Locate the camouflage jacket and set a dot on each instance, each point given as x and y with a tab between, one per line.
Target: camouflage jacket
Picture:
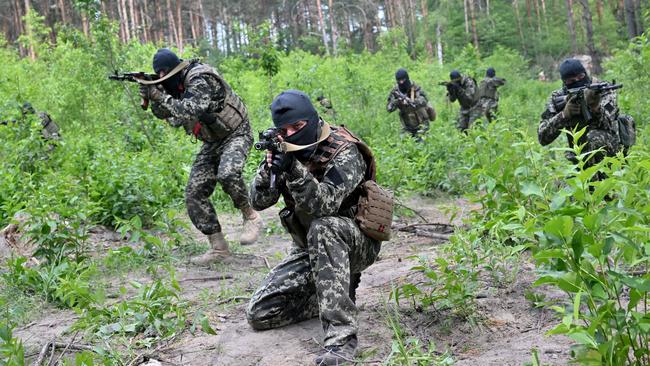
488	87
50	129
410	116
205	98
606	119
313	193
465	93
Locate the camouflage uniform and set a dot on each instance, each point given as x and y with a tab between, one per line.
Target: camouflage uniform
414	119
470	110
328	252
601	132
210	111
489	96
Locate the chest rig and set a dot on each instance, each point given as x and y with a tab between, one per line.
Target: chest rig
215	125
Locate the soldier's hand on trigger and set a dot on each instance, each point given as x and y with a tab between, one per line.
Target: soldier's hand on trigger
571	109
151	92
592	97
280	162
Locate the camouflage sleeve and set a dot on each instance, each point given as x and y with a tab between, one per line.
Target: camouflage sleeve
159	110
606	117
552	123
342	176
391	106
262	196
467	93
499	81
174	122
197	99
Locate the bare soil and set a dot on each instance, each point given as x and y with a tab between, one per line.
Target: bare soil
509	327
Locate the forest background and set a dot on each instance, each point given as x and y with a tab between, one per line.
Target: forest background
118	166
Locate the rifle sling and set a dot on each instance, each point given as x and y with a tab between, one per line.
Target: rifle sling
325	133
174	71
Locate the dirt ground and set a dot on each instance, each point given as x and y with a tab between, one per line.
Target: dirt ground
510	328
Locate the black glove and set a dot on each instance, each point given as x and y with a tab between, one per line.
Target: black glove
151	92
592	97
451	88
572	108
281	162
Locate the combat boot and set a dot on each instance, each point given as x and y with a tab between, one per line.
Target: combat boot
338	355
217	252
252	226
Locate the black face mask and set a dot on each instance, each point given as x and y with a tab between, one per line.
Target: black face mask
405	86
307	135
577	84
172	84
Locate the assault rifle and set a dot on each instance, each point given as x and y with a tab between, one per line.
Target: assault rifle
134	77
268	140
404	98
579	93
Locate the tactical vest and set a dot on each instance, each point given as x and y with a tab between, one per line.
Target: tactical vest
370	205
413	117
214	126
487	89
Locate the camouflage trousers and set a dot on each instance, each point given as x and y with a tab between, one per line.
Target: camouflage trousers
467	116
595	140
489	108
221	162
317	281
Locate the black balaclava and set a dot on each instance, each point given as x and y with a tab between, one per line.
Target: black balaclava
166	60
570	68
402	74
454	76
490	72
292	106
27	108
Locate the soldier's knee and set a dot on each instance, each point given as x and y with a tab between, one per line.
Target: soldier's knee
226	176
255	318
324	224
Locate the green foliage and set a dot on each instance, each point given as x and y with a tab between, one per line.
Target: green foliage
12	352
408	351
66	283
155	312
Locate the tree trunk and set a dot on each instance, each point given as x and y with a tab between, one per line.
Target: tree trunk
28	28
472	13
179	18
144	14
599	11
134	21
639	17
539	22
121	22
332	26
159	30
321	24
439	42
427	37
466	17
203	30
515	6
173	34
18	25
193	26
64	15
595	58
630	18
571	25
84	23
